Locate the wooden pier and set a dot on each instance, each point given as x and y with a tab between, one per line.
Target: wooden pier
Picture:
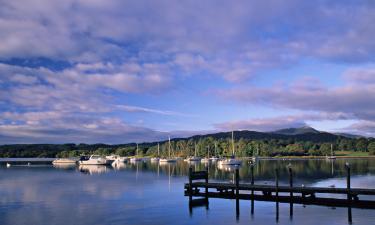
338	197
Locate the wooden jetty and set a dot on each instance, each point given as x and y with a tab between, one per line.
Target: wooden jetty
342	197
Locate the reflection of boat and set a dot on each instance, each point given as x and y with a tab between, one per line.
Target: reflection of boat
156	159
93	160
119	165
92	169
65	161
228	168
65	165
232	160
169	159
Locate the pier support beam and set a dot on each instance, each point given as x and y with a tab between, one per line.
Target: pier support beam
291	192
252	190
237	177
349	197
277	193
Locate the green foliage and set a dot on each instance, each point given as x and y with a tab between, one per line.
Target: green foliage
371	148
246	144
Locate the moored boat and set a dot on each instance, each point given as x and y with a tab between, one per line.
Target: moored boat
93	160
65	161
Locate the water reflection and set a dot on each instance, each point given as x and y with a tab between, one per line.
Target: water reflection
93	169
151	193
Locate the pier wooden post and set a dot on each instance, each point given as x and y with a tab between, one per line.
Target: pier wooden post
349	197
291	191
252	189
206	189
277	194
237	193
190	184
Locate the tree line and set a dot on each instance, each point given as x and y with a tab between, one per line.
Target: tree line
204	145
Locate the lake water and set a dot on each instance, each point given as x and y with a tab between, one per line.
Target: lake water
147	193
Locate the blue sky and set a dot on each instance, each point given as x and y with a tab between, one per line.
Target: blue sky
122	71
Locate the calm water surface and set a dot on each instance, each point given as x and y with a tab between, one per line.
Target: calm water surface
148	193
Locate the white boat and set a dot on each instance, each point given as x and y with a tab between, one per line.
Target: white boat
64	161
94	160
207	159
156	159
8	165
136	158
112	158
231	161
215	158
169	159
332	156
194	158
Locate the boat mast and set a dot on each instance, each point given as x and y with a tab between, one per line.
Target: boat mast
158	149
232	144
331	150
169	146
195	149
215	149
137	149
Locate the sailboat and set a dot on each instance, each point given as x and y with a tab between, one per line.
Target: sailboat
194	158
156	159
232	160
136	158
255	157
169	159
215	158
332	156
207	159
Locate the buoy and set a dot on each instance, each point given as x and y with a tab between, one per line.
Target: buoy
8	164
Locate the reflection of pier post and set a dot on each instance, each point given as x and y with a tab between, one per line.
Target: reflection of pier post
349	197
291	191
252	189
237	193
277	194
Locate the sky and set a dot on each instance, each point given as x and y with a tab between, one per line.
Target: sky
118	71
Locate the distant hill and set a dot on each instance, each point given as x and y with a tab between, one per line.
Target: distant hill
349	135
300	135
296	131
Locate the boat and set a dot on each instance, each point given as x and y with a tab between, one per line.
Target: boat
207	159
93	160
332	156
8	165
232	160
64	161
169	159
156	159
215	158
194	158
136	158
112	158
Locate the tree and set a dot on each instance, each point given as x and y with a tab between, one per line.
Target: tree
371	148
361	145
